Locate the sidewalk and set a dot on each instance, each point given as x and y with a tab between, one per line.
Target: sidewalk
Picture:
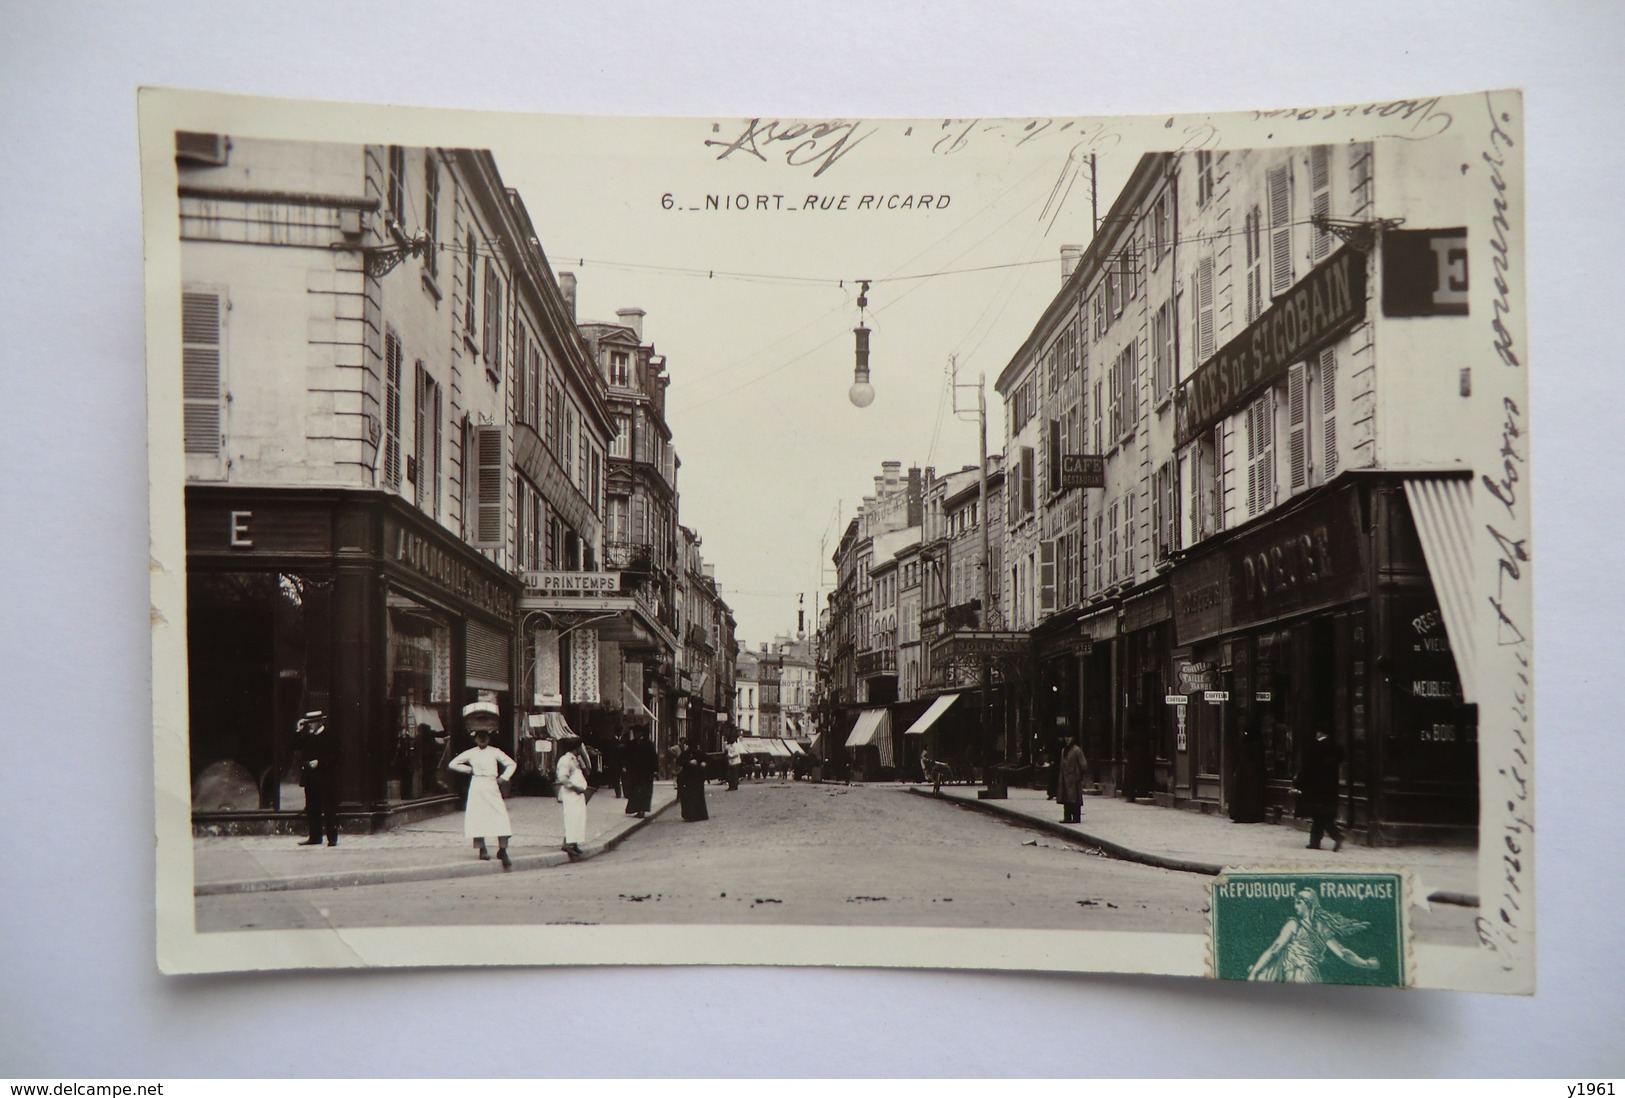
427	850
1173	838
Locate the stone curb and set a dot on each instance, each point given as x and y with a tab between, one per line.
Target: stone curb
1124	853
463	867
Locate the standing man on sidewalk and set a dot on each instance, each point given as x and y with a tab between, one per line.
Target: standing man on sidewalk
1318	788
733	764
318	752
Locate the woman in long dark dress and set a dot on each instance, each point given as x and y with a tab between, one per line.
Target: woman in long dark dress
691	781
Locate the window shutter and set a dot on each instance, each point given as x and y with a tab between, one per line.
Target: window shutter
1298	424
200	372
488	447
1046	575
1328	393
1280	199
1204	309
392	410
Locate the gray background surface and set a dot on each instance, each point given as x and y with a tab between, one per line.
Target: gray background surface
79	991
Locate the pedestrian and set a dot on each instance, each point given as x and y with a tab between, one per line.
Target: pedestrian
488	769
733	752
638	766
571	782
1069	787
1317	788
691	782
318	753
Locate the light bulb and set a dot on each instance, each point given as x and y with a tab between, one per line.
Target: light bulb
862	394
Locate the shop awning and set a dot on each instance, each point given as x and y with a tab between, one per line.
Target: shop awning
873	729
1443	510
550	724
939	706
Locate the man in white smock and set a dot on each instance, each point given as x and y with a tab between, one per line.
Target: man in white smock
571	779
488	767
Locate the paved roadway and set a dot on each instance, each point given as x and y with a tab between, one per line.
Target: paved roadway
780	854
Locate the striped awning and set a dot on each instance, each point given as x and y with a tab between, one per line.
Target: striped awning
1443	510
873	729
939	706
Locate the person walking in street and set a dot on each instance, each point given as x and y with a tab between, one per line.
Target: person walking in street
638	766
691	782
488	769
318	752
1318	788
571	781
1069	787
734	753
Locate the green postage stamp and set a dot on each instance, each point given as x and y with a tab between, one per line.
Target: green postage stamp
1312	927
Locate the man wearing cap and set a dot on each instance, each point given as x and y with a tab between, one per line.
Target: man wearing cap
318	753
488	767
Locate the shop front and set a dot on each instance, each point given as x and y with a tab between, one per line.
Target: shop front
1323	617
344	601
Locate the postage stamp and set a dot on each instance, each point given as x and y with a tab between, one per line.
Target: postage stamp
1302	926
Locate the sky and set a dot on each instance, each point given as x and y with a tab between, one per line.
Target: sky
731	234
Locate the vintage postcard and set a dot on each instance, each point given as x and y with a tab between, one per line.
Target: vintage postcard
1075	544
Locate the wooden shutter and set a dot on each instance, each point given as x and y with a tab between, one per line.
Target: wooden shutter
1297	401
392	410
1320	188
1328	397
1204	309
1280	200
489	485
1046	575
200	372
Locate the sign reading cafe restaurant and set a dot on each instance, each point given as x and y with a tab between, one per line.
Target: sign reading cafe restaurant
1323	305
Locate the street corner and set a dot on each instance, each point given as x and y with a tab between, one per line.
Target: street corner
1312	926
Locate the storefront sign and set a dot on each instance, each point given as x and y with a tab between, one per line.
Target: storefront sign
1306	560
430	561
557	583
1321	307
1424	272
1083	471
1215	696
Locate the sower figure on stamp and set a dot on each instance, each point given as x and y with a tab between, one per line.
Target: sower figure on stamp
318	752
1317	787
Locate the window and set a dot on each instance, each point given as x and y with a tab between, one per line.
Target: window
431	212
1204	177
494	292
201	371
391	443
1162	351
1280	212
395	185
1253	235
1202	311
1261	453
1320	199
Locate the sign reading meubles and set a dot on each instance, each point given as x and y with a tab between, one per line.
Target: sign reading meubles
1320	307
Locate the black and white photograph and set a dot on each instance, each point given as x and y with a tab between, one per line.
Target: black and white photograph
946	542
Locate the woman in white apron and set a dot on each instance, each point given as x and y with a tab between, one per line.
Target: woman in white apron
487	766
571	779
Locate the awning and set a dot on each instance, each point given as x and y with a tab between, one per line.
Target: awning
550	723
1443	510
873	729
422	714
939	706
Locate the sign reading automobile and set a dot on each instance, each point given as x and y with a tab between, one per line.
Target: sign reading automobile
1325	303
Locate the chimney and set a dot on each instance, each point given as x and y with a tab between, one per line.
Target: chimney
632	318
567	287
1070	255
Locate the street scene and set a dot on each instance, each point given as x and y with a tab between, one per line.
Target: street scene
963	524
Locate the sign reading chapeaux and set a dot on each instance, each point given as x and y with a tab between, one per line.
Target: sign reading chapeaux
1319	308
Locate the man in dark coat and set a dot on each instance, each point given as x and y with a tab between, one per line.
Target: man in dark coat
318	753
639	761
1318	788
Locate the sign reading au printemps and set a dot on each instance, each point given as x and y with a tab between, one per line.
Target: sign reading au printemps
1324	303
576	583
1083	471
